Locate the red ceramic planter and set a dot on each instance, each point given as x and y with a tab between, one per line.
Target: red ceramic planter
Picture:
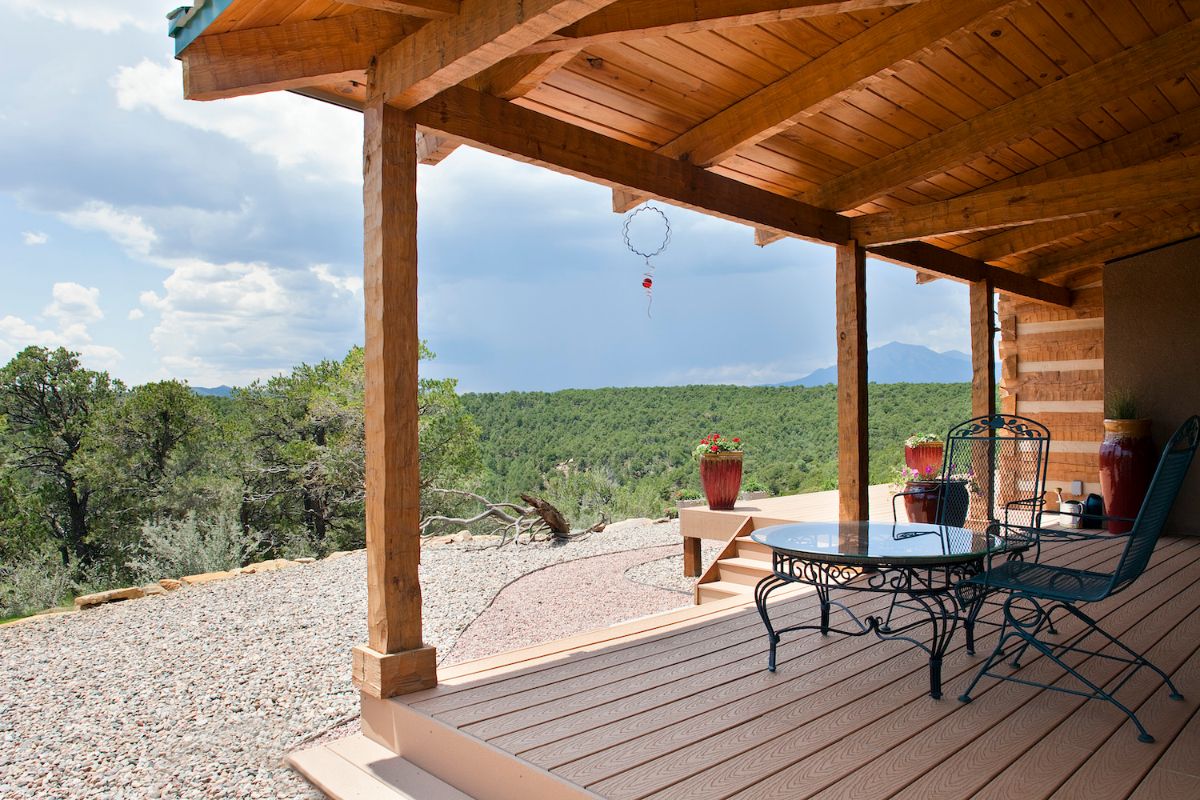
921	457
922	505
721	477
1127	462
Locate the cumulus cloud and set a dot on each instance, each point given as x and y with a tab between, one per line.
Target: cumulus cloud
330	148
128	230
106	16
34	238
135	314
73	308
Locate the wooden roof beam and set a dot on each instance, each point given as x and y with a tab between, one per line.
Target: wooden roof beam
628	20
1163	58
948	264
1157	184
429	9
776	107
291	56
1100	251
501	126
448	51
1023	238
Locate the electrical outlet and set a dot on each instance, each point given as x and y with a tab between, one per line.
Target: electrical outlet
1076	488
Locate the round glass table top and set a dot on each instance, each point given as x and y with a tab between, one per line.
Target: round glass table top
878	542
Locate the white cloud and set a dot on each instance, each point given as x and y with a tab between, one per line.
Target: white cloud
73	307
135	313
128	230
34	238
106	16
349	284
322	140
74	304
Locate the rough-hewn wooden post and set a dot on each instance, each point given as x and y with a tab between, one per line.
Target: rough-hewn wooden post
983	390
852	381
396	660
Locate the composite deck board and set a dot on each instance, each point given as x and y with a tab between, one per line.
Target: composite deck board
690	711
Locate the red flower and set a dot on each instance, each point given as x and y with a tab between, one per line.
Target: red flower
716	436
714	448
736	440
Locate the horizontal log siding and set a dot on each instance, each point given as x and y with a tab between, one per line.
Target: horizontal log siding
1052	370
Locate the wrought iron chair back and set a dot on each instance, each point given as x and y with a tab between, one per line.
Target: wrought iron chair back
994	469
1164	487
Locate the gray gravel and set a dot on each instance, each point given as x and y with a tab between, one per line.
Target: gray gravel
200	693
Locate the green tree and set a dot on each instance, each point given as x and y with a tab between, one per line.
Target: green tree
49	404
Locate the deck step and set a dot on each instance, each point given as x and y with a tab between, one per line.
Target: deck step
748	548
719	590
356	768
743	570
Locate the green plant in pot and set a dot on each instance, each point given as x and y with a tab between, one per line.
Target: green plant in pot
930	498
720	469
1127	459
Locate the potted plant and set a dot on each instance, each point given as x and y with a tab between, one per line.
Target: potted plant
1127	459
923	452
925	491
720	470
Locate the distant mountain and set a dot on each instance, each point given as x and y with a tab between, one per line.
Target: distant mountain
213	391
901	363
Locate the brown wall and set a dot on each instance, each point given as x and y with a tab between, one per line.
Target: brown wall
1052	370
1153	347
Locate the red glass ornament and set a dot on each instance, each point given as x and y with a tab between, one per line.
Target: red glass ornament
647	283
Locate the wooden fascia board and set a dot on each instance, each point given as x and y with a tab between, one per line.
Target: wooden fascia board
1157	184
429	9
292	56
1121	245
1163	58
629	20
949	264
764	113
501	126
450	50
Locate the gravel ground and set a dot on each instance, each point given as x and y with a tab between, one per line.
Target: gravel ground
201	692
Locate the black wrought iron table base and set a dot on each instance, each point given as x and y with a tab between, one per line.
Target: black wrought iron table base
924	588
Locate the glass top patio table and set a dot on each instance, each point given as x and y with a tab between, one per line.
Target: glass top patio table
879	543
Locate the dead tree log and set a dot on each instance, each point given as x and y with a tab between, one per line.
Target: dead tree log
550	515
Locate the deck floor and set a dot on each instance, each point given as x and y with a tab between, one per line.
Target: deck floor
688	710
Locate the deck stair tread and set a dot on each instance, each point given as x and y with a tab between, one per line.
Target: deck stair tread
356	768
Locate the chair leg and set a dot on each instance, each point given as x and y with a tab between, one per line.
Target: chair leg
1141	659
996	657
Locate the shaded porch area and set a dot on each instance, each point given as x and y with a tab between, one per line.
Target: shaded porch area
681	705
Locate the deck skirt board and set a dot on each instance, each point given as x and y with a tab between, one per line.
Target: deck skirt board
689	710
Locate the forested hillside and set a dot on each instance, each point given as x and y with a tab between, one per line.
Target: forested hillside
635	444
103	484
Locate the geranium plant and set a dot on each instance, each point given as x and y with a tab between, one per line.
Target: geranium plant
922	438
715	443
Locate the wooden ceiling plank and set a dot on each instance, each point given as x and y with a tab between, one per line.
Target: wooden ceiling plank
429	9
629	20
504	127
295	55
450	50
1157	183
1166	57
1023	238
1111	248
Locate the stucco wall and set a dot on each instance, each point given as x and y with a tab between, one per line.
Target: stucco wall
1152	346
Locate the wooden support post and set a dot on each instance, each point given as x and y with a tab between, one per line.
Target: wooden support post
983	392
692	559
396	660
852	381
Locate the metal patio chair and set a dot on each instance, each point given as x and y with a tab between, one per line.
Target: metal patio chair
1043	589
993	470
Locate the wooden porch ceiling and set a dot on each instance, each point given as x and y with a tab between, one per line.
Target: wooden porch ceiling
1023	141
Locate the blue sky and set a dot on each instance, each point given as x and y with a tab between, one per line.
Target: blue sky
221	242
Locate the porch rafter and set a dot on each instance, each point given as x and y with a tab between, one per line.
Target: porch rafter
431	9
1117	246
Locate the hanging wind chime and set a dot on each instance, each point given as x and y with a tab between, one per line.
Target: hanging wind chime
648	275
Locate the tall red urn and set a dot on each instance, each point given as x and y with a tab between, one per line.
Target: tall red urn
925	458
721	477
1127	462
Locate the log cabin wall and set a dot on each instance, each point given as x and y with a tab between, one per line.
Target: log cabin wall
1154	349
1052	370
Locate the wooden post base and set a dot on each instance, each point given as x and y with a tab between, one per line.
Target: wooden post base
389	674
